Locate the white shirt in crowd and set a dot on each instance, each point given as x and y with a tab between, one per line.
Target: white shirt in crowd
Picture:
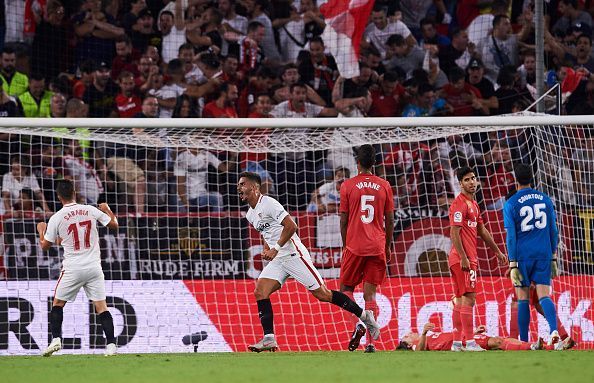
378	37
329	194
164	93
266	218
240	24
13	186
76	225
195	168
285	110
88	184
171	43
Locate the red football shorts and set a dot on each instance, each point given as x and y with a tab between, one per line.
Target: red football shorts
355	269
464	280
482	340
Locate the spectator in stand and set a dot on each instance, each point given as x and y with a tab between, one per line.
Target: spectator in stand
468	10
192	73
500	177
317	69
297	107
10	106
36	100
289	76
257	10
458	53
583	53
378	32
100	95
126	58
224	105
185	107
143	31
87	70
402	55
173	29
475	77
191	170
146	71
507	93
127	102
326	198
350	96
426	104
96	31
415	11
204	32
16	180
373	59
251	53
171	90
234	23
14	82
150	108
86	180
49	52
570	16
500	48
131	17
152	51
57	105
429	34
389	98
263	81
482	25
527	70
312	18
231	74
262	106
76	108
464	98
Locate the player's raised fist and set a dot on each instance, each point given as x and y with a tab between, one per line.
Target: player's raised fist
428	327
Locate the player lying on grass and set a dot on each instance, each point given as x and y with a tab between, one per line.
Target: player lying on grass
429	340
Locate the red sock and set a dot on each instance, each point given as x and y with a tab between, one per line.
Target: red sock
467	322
511	345
562	332
514	332
371	305
354	319
457	324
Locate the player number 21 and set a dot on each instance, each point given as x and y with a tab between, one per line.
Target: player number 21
73	229
367	208
536	212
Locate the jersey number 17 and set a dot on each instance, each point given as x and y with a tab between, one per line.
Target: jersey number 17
73	229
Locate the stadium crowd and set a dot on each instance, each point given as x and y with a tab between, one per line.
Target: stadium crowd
262	58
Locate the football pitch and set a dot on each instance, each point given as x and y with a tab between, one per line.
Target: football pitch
308	367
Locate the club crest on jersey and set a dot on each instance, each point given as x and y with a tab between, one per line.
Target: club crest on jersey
458	217
263	226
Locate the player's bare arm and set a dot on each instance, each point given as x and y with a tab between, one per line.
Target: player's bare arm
457	242
289	228
422	346
113	224
344	224
488	238
44	243
389	222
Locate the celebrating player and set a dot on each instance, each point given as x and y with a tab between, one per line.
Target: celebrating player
531	226
75	228
288	258
429	340
366	202
465	223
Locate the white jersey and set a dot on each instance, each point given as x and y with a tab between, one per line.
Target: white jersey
266	217
76	225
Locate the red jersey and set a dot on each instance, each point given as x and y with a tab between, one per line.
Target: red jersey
366	198
437	341
211	110
466	214
460	98
128	106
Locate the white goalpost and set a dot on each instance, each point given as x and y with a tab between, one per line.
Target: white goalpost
184	260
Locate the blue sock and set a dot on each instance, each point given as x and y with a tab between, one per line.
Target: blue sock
523	319
550	313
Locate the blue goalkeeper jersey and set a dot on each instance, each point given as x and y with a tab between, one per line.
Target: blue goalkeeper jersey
531	225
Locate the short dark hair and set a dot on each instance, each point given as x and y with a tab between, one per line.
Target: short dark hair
391	76
124	39
254	177
498	19
65	189
346	171
316	39
396	40
254	25
8	50
403	346
523	174
463	171
298	84
366	156
456	74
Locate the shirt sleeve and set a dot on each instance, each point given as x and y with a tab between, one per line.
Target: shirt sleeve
34	184
100	216
213	160
510	229
51	232
457	212
180	168
276	210
5	183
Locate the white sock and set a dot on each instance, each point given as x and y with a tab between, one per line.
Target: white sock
363	315
269	336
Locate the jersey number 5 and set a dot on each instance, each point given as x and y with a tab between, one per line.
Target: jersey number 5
73	229
367	209
536	212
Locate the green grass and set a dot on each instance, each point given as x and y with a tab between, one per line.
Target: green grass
314	367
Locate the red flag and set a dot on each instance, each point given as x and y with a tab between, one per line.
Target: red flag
345	23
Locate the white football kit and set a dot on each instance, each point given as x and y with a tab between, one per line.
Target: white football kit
76	225
293	259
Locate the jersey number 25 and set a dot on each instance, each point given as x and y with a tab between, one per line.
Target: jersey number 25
536	212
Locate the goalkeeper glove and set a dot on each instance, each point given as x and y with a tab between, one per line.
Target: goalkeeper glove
515	275
554	268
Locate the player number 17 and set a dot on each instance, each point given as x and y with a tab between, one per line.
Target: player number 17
73	229
367	209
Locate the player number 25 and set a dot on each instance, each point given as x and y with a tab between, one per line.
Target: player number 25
367	208
536	212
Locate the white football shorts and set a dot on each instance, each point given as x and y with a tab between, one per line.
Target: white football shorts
299	267
70	282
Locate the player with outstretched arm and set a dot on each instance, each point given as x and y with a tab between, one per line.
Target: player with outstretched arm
287	257
465	224
366	227
531	226
74	227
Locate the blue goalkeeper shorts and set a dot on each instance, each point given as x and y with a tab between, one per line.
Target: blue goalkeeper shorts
535	270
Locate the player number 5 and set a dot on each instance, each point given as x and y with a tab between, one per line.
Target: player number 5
538	213
367	208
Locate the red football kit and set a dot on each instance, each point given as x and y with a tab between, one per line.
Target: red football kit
464	213
365	199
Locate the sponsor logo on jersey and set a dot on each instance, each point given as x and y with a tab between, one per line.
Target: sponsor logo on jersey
458	216
472	223
263	226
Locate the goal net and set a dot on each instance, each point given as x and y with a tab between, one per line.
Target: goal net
184	260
